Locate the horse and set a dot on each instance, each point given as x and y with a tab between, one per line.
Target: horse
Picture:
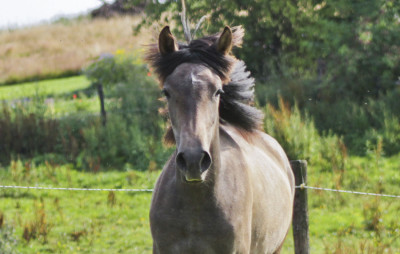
228	186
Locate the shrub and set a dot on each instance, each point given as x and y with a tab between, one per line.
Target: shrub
112	69
109	145
388	134
134	129
301	140
357	122
25	131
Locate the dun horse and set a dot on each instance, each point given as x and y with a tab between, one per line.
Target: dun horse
228	187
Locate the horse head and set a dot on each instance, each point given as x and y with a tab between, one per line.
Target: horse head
193	94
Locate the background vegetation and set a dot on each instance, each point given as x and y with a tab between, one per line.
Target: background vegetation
338	60
66	126
327	80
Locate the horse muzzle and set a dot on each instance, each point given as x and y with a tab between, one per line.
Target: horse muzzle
193	164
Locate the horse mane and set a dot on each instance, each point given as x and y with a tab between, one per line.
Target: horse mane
236	103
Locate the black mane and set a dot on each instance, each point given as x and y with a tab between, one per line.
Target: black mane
236	105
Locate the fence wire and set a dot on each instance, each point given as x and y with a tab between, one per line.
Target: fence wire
73	189
302	186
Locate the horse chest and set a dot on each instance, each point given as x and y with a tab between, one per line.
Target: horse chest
185	228
191	219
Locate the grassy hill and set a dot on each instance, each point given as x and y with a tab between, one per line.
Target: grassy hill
63	48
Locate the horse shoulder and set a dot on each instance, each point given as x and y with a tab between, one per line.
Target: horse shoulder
163	192
165	179
275	150
272	187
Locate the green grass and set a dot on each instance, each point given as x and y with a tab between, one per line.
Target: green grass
99	222
77	221
44	88
64	95
94	222
349	223
69	105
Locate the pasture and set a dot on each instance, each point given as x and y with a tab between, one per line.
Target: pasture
117	222
44	221
46	88
75	222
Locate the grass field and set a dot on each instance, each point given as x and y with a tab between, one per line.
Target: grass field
61	96
46	88
117	222
42	221
76	222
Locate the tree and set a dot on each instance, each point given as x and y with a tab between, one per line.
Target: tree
350	47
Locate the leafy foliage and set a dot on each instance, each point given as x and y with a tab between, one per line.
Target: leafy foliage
347	45
134	130
300	139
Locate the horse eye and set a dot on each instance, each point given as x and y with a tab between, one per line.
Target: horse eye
219	92
166	93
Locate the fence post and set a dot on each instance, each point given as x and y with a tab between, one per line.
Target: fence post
300	210
102	108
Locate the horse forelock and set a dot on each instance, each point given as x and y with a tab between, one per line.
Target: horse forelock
196	52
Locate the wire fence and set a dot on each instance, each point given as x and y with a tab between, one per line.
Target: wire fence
302	186
347	191
73	189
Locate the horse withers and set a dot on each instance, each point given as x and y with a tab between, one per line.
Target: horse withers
228	187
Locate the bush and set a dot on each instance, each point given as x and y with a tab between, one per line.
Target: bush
388	134
134	131
25	131
357	122
117	144
301	140
29	130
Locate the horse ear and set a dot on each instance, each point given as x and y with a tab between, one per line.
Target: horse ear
166	42
224	43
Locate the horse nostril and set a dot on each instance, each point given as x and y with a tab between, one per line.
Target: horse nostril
180	161
194	162
205	162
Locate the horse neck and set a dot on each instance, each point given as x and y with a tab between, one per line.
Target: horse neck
215	155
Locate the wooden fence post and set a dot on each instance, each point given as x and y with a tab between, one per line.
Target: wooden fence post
102	108
300	210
